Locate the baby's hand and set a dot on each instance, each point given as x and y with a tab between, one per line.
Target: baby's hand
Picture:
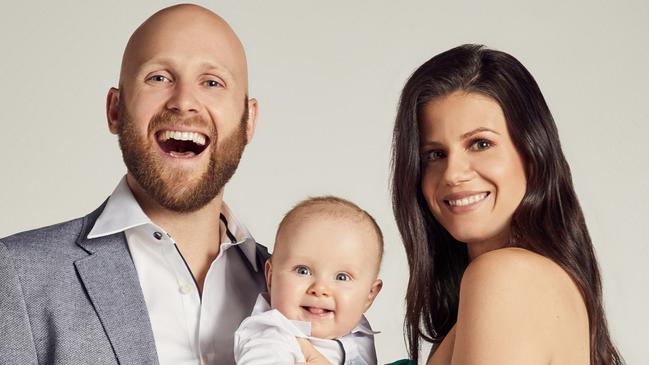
312	356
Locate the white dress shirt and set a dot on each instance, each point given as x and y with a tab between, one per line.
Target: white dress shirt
189	328
267	337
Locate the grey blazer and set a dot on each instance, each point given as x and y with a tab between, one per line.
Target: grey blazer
65	299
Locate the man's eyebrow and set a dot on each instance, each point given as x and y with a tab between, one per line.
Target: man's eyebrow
164	62
476	131
210	66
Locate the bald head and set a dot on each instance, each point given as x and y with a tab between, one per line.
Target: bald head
181	33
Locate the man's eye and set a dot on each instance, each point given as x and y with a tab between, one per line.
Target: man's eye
343	277
480	145
303	270
159	78
212	83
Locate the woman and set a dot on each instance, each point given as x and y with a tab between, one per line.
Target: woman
502	269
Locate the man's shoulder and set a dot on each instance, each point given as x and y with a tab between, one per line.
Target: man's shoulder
52	237
45	238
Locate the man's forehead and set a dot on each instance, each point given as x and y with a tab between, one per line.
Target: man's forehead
185	33
181	17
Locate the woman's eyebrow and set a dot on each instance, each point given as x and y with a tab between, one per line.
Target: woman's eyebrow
476	131
431	143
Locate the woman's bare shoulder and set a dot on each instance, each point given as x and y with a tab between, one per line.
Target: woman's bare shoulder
516	305
517	276
515	267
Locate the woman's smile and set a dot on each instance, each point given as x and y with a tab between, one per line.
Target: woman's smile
464	202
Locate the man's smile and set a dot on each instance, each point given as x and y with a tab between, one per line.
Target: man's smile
182	144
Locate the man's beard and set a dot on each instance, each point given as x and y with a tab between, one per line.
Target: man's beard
173	189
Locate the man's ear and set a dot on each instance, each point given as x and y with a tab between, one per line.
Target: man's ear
374	291
251	124
268	272
112	108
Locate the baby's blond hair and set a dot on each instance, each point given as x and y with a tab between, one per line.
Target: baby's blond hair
334	207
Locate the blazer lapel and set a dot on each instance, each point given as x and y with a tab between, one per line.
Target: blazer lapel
109	276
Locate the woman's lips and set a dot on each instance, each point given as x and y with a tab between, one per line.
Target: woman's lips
464	202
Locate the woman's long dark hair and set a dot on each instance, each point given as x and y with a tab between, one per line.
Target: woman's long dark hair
548	221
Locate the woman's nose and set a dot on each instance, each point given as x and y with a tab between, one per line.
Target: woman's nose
458	169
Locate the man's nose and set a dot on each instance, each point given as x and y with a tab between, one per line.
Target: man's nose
319	288
458	169
183	99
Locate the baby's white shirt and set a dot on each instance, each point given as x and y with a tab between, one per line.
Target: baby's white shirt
267	337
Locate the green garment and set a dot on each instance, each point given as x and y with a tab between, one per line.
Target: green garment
402	362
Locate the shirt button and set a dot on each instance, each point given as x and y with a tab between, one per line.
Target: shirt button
185	288
157	235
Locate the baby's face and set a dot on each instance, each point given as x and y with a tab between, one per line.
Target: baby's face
324	271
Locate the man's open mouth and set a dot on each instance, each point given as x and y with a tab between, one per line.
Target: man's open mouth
182	144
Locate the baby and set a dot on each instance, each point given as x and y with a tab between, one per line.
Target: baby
321	278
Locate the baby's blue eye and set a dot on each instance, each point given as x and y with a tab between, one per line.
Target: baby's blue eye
303	270
343	277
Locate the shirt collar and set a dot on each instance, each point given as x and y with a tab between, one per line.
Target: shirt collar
364	327
122	212
235	233
296	328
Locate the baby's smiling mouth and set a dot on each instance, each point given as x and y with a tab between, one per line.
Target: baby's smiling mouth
181	143
316	311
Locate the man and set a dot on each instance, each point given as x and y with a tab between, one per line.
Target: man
162	272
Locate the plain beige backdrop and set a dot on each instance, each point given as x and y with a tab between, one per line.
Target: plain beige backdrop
327	75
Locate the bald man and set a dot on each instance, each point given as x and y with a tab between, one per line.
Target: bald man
162	272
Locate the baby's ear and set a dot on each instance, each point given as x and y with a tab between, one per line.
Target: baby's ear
374	291
268	272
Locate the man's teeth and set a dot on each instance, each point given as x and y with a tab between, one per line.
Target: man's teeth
468	200
195	137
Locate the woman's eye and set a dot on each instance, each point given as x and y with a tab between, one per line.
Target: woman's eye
343	277
212	83
434	155
303	270
480	145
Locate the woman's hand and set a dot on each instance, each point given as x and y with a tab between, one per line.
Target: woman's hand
311	355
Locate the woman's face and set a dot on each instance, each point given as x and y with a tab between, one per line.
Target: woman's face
472	176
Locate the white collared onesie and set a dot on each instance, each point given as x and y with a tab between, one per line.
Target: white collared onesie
267	337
